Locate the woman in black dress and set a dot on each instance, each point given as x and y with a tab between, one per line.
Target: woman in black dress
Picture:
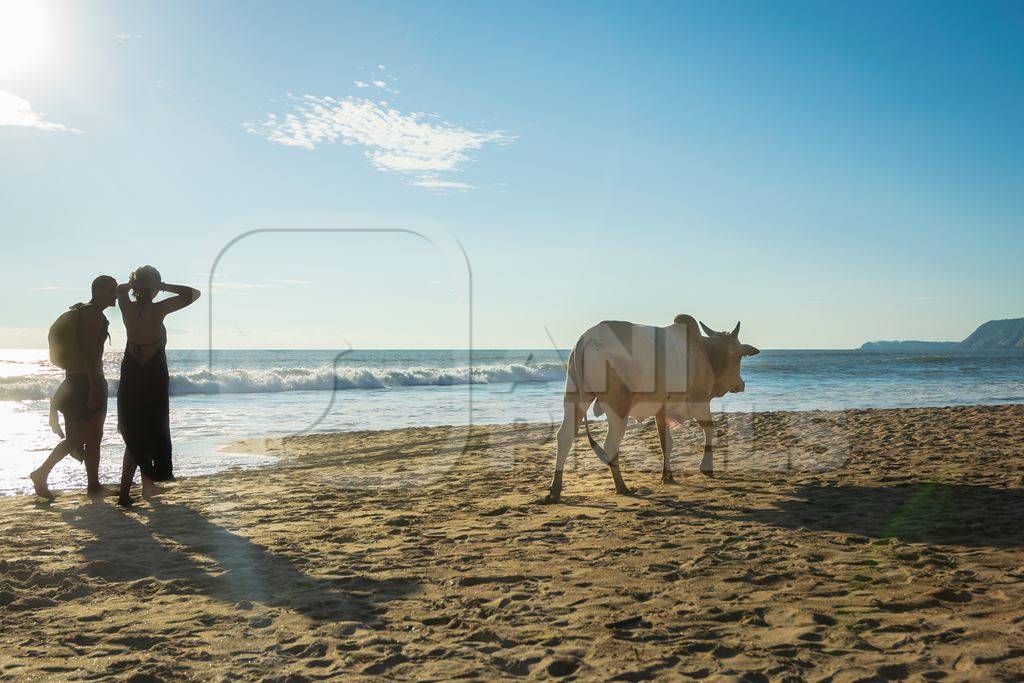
143	408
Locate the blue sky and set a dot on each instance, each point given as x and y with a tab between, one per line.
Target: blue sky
827	173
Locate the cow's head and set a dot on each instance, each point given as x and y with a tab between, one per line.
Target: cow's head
725	353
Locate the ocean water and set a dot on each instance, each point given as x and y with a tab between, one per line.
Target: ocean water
271	393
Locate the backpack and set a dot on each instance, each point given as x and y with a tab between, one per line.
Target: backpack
63	339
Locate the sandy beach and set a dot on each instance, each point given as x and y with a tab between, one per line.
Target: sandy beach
879	544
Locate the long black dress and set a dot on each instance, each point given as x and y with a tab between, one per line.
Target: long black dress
143	413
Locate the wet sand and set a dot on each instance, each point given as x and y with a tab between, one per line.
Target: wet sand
867	544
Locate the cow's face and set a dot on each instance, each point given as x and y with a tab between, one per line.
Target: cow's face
725	353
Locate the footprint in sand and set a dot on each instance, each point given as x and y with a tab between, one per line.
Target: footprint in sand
383	665
628	624
559	668
261	622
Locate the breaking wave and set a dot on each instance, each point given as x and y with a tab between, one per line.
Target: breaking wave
242	381
32	388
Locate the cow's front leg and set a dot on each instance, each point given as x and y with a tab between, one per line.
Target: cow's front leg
616	429
707	463
665	436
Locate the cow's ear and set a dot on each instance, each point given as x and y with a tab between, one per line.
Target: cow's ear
749	350
707	330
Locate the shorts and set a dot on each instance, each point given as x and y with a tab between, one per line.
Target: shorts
72	398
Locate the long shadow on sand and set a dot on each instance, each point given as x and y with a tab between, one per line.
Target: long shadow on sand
951	514
189	554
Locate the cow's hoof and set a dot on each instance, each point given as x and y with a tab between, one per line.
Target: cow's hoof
624	491
552	498
667	478
708	473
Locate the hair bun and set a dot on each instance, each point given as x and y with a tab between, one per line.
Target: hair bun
145	277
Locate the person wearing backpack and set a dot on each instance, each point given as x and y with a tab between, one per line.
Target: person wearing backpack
76	342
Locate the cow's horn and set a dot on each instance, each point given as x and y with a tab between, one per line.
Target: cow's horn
736	331
707	330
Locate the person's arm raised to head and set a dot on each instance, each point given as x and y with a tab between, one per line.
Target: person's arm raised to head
183	296
123	293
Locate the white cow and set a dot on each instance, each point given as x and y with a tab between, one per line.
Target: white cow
628	370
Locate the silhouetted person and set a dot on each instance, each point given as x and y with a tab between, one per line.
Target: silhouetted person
82	396
143	405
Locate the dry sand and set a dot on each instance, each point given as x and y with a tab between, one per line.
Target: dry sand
865	544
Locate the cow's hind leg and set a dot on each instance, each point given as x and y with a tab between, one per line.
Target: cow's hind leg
571	419
665	436
616	429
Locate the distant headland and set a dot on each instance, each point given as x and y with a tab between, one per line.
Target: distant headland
995	334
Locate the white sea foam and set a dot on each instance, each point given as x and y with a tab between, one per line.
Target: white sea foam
274	380
27	388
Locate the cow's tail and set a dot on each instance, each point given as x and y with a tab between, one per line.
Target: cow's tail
577	357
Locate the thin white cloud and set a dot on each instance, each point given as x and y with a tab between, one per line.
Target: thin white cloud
438	184
51	288
125	37
241	285
392	141
378	83
240	288
15	111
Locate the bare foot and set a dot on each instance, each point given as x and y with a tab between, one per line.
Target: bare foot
99	492
125	501
39	482
151	491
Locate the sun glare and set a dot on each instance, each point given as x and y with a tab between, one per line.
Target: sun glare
26	36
